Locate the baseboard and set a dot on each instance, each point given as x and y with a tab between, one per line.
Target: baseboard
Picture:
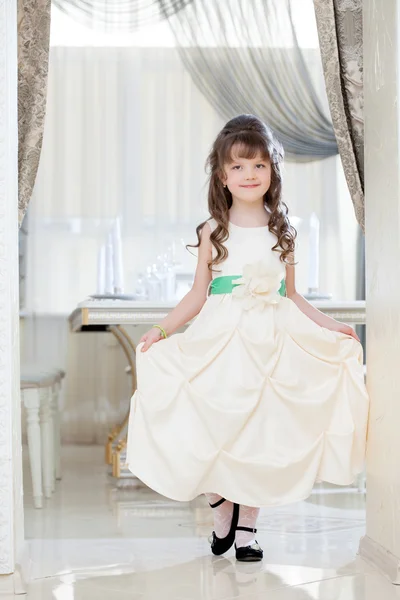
380	558
12	585
16	583
24	564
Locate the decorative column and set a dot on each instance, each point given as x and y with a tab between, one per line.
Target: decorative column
381	545
11	511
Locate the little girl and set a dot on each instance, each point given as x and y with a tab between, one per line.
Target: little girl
262	395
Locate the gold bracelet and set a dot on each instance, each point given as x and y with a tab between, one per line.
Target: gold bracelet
164	333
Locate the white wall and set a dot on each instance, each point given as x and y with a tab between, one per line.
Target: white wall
382	163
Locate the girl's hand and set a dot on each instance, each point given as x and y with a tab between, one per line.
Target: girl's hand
150	337
347	330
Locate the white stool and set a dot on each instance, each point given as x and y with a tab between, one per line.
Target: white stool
40	392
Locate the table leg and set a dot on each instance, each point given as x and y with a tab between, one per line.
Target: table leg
117	457
129	350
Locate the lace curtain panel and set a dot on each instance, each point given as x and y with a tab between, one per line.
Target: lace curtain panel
340	33
33	54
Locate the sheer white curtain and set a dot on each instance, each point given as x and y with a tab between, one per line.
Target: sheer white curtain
127	133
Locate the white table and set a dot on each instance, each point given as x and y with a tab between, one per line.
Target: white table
97	314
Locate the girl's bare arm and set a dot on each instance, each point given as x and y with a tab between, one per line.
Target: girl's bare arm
309	310
192	303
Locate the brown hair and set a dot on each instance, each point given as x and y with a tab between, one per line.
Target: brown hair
251	136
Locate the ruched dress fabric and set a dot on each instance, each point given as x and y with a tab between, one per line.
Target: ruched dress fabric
254	402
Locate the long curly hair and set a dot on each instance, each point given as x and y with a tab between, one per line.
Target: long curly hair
250	136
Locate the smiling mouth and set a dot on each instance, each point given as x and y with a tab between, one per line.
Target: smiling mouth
252	185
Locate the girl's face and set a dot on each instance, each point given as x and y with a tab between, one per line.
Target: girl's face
248	179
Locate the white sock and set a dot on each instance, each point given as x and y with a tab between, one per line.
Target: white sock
222	515
248	516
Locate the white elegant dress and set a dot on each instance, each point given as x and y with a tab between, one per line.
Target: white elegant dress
254	401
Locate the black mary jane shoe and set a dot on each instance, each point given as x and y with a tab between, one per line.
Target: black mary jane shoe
253	553
222	545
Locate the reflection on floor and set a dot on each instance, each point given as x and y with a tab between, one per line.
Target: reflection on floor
93	541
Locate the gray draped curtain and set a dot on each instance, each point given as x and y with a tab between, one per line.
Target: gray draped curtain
119	15
340	30
339	25
245	57
33	57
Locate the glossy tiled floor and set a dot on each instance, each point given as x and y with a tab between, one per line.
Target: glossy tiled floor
93	541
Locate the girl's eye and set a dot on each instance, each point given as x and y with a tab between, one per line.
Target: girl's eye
236	167
260	166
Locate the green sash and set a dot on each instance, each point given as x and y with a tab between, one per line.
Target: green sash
225	285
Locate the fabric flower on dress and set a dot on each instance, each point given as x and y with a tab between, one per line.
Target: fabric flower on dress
258	287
